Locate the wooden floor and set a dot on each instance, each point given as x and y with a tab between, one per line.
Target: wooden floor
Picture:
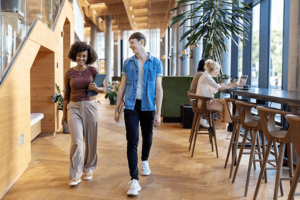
175	175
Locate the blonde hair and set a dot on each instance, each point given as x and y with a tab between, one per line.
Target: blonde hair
211	65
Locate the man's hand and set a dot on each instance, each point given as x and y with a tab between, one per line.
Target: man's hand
116	116
157	120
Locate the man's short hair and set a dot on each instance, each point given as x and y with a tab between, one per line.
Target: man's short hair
201	65
138	36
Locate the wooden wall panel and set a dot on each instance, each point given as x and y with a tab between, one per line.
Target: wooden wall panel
42	88
15	96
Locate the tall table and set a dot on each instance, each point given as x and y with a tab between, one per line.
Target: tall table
263	95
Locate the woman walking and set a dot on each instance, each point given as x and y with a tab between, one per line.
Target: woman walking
81	112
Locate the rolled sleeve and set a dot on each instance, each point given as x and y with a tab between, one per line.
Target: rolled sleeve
159	70
124	68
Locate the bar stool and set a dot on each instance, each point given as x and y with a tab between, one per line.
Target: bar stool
252	125
211	131
294	130
272	134
235	134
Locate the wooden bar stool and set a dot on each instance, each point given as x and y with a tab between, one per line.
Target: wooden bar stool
274	135
211	131
252	125
235	134
294	130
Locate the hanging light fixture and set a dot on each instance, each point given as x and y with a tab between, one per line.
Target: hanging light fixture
195	45
188	55
164	57
184	52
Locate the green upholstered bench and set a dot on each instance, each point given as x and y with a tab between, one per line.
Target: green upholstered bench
174	95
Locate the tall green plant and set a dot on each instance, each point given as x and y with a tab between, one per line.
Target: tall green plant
220	19
58	98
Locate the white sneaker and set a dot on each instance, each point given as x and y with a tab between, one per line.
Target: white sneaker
204	123
75	182
88	176
134	187
145	168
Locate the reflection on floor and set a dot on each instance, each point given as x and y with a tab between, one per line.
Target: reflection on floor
175	175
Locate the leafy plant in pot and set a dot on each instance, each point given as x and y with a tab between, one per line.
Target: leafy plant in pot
58	98
217	20
112	95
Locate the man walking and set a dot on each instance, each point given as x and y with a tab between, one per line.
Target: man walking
141	85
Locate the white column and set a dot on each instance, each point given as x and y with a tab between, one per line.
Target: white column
185	68
93	41
178	45
173	49
108	49
197	51
226	56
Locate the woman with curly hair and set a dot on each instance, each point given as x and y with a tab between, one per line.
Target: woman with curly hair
81	112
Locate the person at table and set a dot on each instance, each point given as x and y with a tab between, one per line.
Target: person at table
193	89
81	112
207	87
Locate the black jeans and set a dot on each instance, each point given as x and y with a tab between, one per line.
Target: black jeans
132	118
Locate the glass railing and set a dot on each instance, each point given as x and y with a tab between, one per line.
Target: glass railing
17	17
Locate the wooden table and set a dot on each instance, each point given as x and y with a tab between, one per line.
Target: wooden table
290	98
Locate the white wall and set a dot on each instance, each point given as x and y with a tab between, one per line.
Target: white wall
79	22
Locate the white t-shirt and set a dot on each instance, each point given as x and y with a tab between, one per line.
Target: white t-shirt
207	86
139	90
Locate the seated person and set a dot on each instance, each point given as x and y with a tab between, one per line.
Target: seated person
207	87
193	89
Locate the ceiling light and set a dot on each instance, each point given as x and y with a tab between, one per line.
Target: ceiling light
164	57
195	45
95	12
87	3
184	52
132	16
100	19
130	8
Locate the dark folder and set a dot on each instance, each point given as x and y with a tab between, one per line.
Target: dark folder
99	78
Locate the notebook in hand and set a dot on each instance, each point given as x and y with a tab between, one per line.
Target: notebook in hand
98	79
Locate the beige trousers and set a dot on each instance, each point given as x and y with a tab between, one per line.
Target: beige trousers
83	121
223	114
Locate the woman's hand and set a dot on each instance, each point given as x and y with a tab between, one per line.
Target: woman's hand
93	86
64	121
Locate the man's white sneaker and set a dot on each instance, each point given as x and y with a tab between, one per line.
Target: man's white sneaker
134	187
204	123
145	168
75	182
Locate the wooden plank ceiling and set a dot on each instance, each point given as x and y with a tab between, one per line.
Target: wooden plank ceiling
131	14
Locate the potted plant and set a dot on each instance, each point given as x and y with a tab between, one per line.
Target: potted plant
112	95
218	19
58	98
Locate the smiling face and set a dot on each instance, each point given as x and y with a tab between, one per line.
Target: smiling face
136	46
81	58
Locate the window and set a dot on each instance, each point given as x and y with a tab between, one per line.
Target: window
255	45
276	44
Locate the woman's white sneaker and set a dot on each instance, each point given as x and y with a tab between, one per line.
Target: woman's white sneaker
88	176
145	168
134	187
75	182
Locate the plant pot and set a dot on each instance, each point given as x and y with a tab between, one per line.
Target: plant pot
112	102
66	129
225	81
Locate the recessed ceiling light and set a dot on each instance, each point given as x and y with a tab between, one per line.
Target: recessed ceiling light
100	19
87	3
130	8
132	16
95	12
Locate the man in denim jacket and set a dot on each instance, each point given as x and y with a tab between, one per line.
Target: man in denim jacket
141	85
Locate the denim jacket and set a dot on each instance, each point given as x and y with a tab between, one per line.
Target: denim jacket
152	69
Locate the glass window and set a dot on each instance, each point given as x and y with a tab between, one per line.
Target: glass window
255	45
276	44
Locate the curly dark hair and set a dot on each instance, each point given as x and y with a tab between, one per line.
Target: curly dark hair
201	65
78	47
